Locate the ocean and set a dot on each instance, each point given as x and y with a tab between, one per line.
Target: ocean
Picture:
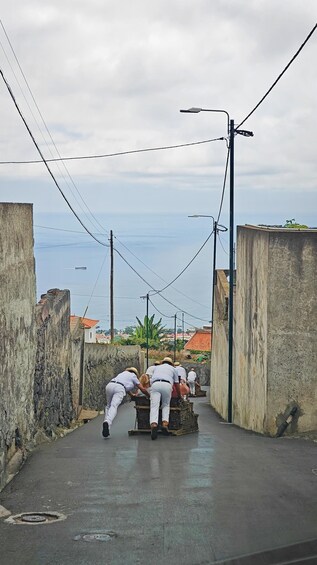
157	248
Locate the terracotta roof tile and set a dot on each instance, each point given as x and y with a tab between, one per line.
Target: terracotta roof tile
87	322
200	341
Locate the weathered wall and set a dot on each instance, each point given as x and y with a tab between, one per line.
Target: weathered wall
52	379
77	364
250	371
276	335
219	354
103	363
17	332
292	328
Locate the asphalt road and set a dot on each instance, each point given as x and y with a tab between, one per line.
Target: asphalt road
189	500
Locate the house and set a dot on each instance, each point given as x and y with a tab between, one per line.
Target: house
89	325
201	340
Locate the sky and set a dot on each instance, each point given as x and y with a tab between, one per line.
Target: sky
111	76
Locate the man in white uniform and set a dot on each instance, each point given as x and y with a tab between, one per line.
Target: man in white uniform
150	370
116	390
191	379
164	376
181	371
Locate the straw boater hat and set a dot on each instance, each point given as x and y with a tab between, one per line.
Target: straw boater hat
168	360
176	364
133	370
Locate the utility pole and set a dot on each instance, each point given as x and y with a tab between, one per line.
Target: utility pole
111	289
175	329
183	329
231	269
147	330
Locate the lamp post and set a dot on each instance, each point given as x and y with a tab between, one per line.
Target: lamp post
216	229
231	133
147	297
175	331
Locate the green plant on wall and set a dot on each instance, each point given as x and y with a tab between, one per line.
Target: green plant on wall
295	225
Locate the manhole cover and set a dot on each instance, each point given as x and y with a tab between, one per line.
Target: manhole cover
33	518
102	536
36	518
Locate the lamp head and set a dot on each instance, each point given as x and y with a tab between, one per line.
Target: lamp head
191	111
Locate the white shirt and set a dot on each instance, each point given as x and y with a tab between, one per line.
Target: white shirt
150	370
181	373
191	376
129	380
165	372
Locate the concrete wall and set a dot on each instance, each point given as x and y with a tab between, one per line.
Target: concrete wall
18	332
250	371
52	380
276	336
292	329
102	363
219	354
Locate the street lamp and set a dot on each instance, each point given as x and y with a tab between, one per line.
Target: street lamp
231	133
216	229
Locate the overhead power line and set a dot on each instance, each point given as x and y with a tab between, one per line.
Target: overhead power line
279	76
119	153
188	264
157	275
224	185
45	162
152	287
47	130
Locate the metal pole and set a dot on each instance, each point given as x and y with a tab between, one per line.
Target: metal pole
183	329
213	283
147	330
111	289
175	316
231	271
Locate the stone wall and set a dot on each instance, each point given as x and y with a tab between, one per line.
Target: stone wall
103	363
18	333
53	397
77	364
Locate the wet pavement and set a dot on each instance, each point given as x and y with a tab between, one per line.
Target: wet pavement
189	500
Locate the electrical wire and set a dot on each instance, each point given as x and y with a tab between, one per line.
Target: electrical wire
165	316
156	274
45	162
279	76
119	153
45	125
226	252
60	229
97	279
152	287
159	311
223	185
188	264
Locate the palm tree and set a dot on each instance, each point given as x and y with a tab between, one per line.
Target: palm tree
153	330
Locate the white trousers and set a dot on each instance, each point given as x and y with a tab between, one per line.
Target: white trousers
115	393
160	391
192	387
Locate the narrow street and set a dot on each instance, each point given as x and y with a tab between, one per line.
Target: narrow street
196	499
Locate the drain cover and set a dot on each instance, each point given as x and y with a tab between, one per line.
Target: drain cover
36	518
102	536
33	518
